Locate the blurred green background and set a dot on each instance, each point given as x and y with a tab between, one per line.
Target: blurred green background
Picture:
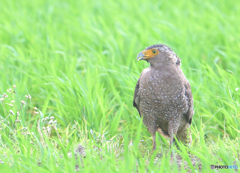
77	59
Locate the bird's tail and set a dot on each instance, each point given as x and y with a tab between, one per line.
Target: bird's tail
184	135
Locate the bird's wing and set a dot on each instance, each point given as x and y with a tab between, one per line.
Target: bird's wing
136	98
188	94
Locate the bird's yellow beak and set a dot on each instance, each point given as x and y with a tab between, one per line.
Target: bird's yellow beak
146	54
141	55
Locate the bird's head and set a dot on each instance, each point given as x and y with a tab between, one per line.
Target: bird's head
158	54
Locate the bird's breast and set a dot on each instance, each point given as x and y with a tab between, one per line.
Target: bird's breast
159	86
162	93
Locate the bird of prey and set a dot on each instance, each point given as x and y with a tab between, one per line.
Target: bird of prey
163	95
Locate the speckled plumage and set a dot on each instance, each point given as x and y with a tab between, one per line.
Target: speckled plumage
163	96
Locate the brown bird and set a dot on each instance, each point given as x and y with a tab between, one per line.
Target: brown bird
163	95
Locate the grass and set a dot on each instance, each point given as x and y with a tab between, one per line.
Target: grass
77	61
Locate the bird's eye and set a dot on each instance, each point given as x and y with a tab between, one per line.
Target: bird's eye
154	51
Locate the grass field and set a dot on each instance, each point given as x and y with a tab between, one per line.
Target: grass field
73	64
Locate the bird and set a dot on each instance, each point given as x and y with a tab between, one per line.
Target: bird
163	95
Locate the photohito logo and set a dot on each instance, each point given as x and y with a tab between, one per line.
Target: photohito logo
224	167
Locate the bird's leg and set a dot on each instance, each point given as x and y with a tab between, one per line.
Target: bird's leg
154	141
172	130
171	138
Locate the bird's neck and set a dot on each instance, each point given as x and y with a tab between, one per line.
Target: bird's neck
158	66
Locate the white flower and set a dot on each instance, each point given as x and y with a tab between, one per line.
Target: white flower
50	122
11	112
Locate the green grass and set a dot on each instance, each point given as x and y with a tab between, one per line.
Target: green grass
77	60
